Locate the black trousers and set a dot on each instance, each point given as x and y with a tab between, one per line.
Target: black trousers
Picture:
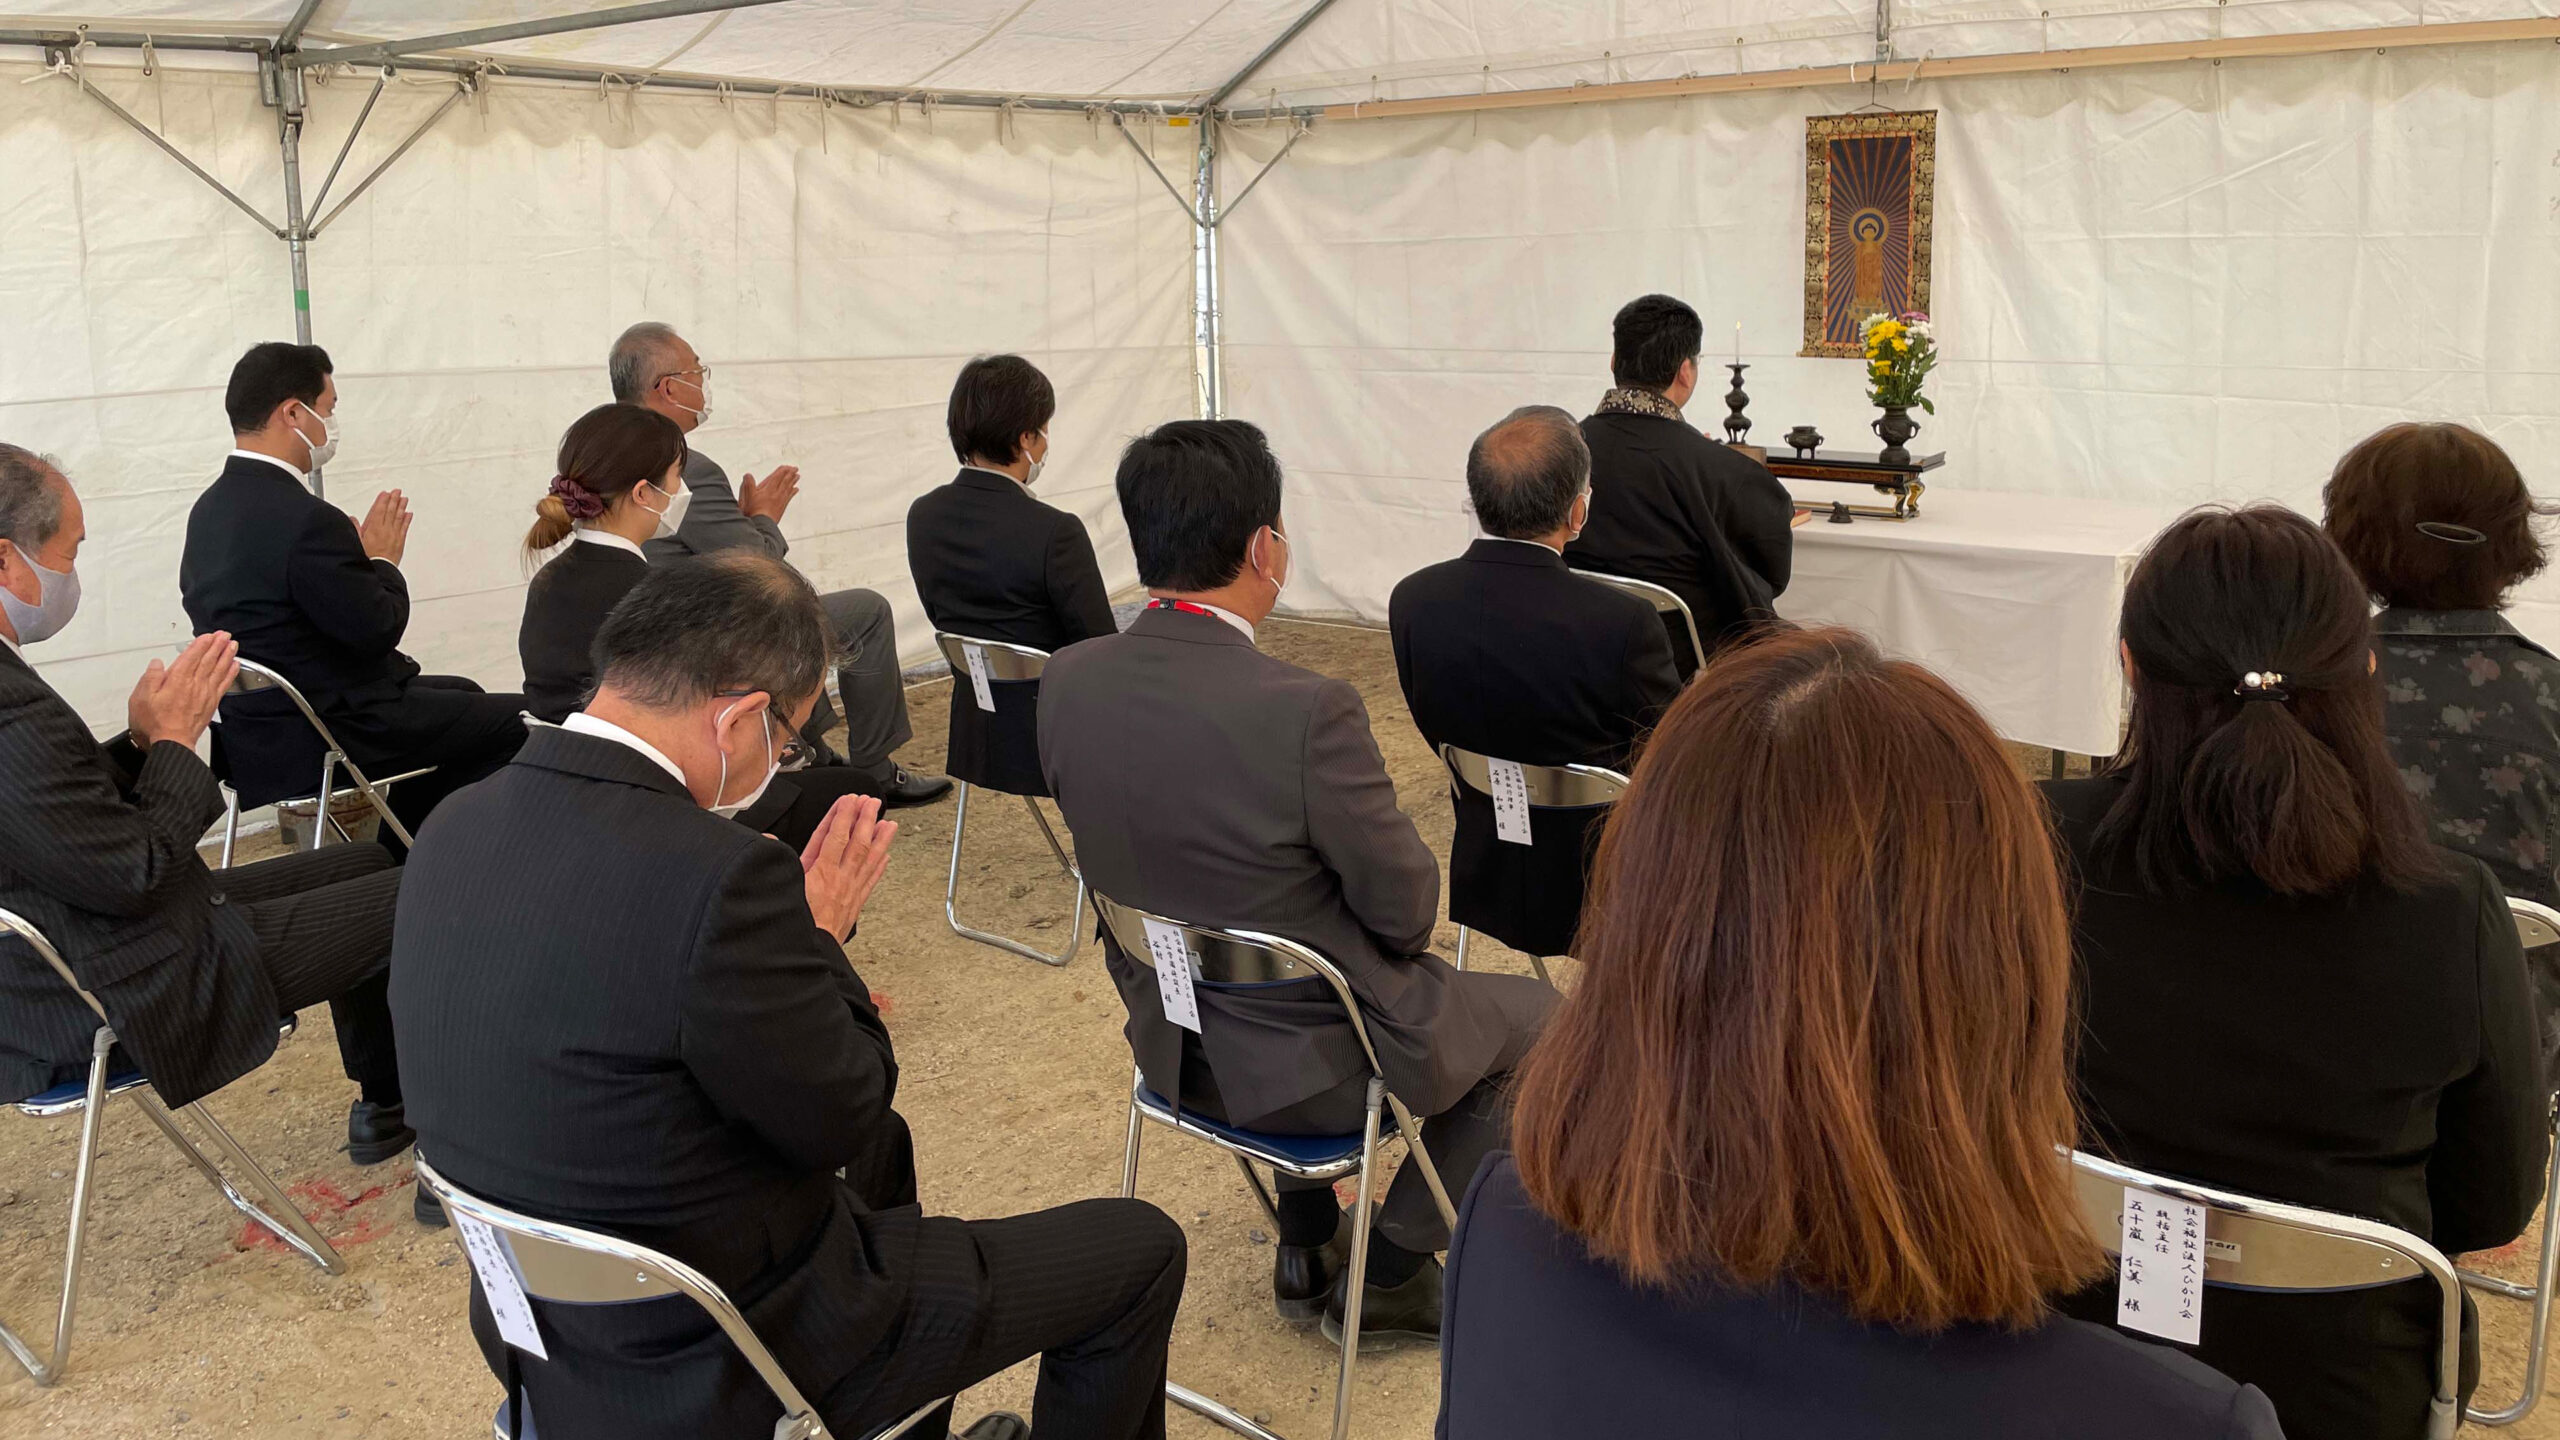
1458	1138
484	736
1091	1288
323	922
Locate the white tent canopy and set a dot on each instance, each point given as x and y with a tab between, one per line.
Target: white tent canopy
2184	251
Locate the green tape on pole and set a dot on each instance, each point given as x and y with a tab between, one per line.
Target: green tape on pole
301	299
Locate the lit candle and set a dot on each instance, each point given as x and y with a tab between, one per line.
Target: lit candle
1737	342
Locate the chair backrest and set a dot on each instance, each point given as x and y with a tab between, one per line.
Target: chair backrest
254	677
14	924
2257	1244
1004	661
1551	787
1223	958
568	1265
1660	597
2536	925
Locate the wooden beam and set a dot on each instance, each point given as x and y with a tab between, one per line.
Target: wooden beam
2243	47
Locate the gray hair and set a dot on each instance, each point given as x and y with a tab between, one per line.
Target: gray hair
1524	474
735	621
639	359
30	501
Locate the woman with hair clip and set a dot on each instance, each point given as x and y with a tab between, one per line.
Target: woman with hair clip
2287	991
1788	1156
620	484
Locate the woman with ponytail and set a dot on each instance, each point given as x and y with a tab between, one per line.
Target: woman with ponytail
2286	990
620	485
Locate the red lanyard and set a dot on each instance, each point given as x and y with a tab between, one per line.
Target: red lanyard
1185	606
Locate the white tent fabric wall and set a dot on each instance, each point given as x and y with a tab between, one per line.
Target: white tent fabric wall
2177	283
468	300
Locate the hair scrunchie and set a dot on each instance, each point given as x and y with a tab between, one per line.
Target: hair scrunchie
581	502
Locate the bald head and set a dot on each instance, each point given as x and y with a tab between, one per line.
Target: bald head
1524	474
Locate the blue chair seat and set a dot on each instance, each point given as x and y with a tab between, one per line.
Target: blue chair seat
1312	1151
71	1093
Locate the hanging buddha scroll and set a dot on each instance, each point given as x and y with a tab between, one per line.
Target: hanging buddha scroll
1868	182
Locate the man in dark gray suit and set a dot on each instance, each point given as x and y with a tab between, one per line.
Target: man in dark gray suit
98	849
1208	782
652	366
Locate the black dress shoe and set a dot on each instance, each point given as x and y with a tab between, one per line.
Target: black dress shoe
907	788
1303	1275
998	1425
427	1210
375	1133
1391	1315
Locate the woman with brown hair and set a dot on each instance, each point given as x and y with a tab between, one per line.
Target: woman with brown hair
1787	1158
2286	990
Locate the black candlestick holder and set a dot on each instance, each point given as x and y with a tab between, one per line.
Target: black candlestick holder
1737	424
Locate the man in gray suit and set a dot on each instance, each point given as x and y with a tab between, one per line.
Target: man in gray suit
1210	783
652	366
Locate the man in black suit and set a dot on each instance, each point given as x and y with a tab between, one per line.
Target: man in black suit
1505	652
1668	504
321	600
623	1011
1208	782
99	851
652	366
992	563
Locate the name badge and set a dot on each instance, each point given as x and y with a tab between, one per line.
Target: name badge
2160	1269
1510	802
1173	975
500	1285
978	676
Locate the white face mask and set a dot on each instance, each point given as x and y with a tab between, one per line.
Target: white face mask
772	766
325	451
1280	581
57	600
701	391
1031	476
672	518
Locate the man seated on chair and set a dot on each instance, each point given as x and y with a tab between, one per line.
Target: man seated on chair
1507	653
98	851
992	563
322	601
1669	505
1209	783
625	1012
653	367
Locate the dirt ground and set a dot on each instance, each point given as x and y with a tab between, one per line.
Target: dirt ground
1015	1081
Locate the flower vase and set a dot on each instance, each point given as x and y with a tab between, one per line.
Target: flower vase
1895	428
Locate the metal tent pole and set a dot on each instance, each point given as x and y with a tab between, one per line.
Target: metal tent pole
1204	271
380	51
283	86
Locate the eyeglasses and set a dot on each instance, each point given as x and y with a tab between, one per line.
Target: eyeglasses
794	754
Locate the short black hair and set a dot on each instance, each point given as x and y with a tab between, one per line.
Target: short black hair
273	372
1193	492
1524	474
1652	336
692	628
997	400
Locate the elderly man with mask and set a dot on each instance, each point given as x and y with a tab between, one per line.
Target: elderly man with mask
652	366
630	1014
193	966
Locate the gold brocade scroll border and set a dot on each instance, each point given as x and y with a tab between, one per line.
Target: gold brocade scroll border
1819	131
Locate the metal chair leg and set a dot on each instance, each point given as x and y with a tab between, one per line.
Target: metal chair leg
1540	965
1261	1196
1412	1133
381	806
1215	1413
1464	935
320	806
279	1216
951	892
45	1372
2539	1294
1354	1278
230	824
1137	1132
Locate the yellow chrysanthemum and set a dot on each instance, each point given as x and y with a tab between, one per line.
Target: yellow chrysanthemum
1901	344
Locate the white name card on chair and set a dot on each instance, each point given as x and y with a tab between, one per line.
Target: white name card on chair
1510	802
2160	1270
1173	975
978	676
500	1284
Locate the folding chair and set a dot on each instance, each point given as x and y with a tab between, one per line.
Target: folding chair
1662	599
2537	926
2259	1244
279	1215
569	1266
1004	664
1550	787
254	677
1224	959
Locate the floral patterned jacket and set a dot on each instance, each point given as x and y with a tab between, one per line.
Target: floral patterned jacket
2473	712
